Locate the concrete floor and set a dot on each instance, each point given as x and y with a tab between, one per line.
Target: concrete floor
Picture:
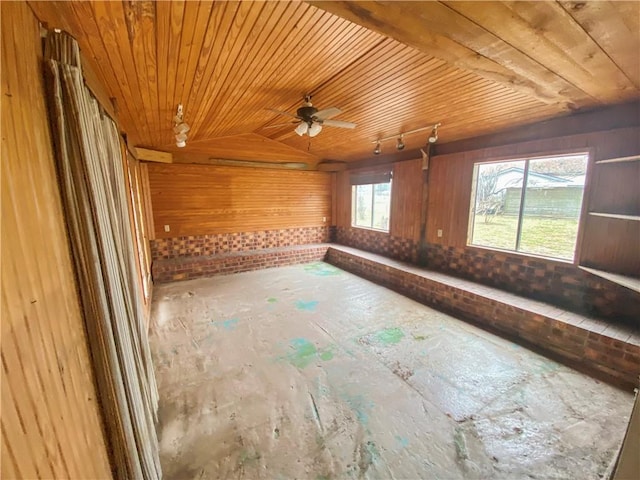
310	372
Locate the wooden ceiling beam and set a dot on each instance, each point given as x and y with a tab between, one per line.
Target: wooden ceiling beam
437	30
546	33
600	19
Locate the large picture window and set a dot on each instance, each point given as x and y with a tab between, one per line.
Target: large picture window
530	205
371	205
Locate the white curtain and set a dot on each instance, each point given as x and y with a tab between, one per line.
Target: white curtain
91	173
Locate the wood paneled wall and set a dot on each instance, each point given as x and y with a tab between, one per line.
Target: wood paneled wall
203	199
343	199
51	426
451	179
406	198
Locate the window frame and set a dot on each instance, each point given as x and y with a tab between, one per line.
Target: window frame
354	205
587	152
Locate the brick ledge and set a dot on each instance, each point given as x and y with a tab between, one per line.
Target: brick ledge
187	268
613	350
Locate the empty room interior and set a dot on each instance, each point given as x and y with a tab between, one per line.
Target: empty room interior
320	240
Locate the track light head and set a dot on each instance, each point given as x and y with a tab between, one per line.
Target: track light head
433	138
400	144
180	128
377	150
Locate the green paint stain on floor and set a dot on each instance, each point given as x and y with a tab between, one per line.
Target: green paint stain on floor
321	269
360	406
309	306
229	324
390	335
326	355
272	300
419	337
404	442
304	353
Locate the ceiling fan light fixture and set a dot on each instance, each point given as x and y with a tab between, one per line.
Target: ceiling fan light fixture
302	128
400	143
314	129
378	149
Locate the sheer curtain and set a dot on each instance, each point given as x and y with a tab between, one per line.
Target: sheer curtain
91	174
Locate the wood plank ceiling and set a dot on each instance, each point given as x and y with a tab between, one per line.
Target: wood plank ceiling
477	67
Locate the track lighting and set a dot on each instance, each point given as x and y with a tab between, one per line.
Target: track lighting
433	138
180	128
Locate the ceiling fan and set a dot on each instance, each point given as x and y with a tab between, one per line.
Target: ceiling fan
310	120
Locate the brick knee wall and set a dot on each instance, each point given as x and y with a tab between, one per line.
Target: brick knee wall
591	350
187	268
559	283
554	282
383	243
223	243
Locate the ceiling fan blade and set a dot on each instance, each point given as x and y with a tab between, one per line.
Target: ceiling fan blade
339	123
327	113
280	112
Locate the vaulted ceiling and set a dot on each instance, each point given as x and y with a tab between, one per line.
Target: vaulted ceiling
476	67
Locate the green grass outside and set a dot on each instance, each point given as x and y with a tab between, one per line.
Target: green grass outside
549	237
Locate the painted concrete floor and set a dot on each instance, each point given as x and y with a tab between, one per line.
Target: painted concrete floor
310	372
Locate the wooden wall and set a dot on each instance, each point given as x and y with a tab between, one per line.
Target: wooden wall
203	199
51	426
451	178
343	199
406	198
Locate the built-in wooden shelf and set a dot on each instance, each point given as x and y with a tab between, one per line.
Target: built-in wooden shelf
630	282
616	215
632	158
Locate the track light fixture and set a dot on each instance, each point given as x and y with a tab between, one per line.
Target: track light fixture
180	129
433	138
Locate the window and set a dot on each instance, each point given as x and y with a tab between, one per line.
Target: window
529	205
370	205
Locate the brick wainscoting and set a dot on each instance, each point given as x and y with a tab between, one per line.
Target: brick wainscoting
215	244
559	283
378	242
583	341
187	268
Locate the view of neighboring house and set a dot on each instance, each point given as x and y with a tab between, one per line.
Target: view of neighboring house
547	194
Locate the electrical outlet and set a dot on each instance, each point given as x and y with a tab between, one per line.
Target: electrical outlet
167	228
324	219
439	233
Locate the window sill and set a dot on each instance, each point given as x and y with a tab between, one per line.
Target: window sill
370	229
525	255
